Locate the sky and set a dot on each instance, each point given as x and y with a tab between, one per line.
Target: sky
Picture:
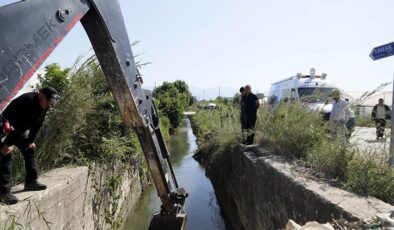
230	43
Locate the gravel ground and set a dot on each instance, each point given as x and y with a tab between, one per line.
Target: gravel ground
365	139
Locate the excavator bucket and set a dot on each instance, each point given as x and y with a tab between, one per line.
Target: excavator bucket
168	222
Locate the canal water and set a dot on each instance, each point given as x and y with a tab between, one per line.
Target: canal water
201	206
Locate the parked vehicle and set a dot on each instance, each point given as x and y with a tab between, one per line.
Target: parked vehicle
211	106
312	90
207	106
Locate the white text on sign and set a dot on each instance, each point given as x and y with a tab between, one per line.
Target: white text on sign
383	49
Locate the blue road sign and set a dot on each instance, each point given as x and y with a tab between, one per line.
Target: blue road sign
382	51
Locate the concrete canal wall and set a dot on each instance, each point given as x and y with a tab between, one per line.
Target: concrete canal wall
73	201
257	190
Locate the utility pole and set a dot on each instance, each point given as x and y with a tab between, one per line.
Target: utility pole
377	53
219	91
391	159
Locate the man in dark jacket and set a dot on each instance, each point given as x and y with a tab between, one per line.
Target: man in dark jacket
242	107
251	103
21	121
380	113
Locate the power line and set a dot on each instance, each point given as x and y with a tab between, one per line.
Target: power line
358	45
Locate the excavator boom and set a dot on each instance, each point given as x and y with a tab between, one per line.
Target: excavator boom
31	29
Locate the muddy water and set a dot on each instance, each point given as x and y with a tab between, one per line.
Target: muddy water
201	206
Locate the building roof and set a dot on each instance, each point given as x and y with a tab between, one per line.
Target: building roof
359	98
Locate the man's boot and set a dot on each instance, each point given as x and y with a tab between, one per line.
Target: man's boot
34	186
8	198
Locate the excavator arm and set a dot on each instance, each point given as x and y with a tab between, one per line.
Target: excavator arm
30	30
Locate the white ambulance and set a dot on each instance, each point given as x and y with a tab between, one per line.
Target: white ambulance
312	90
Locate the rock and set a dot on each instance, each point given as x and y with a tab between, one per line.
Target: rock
291	225
386	219
316	226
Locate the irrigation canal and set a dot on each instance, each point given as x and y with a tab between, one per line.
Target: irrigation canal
201	206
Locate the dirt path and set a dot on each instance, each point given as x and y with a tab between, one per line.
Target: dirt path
365	139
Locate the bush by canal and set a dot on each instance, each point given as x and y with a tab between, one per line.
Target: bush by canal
293	132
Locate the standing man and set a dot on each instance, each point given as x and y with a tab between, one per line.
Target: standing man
251	105
342	116
242	108
380	113
21	121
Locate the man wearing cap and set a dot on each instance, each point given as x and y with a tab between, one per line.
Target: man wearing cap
342	116
21	121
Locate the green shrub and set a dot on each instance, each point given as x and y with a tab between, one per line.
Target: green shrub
85	125
370	175
330	157
66	120
208	121
291	129
164	124
218	144
296	133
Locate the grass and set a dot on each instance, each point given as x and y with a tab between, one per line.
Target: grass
85	127
370	175
297	134
362	121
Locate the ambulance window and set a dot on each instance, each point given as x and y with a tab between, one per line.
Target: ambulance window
274	99
285	95
314	94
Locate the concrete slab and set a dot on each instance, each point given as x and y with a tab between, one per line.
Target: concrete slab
66	202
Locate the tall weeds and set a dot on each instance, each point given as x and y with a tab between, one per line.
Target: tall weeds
84	126
296	133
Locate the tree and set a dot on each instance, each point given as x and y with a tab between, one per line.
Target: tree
55	77
171	100
183	89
